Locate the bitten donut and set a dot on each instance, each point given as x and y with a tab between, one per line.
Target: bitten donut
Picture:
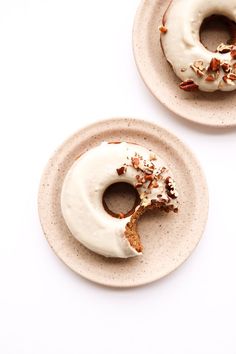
84	187
197	67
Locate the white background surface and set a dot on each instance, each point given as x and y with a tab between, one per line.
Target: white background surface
64	64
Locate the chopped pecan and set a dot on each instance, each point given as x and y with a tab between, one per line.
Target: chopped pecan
121	170
135	162
233	53
149	177
226	67
197	71
199	65
163	29
155	184
232	77
224	48
227	80
215	64
169	180
140	179
210	78
188	85
198	68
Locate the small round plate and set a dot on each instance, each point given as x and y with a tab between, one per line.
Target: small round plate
168	239
211	109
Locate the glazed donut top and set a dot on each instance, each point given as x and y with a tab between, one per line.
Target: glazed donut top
89	177
196	66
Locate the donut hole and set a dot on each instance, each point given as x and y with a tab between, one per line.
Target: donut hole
217	29
120	200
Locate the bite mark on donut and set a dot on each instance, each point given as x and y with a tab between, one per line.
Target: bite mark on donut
131	229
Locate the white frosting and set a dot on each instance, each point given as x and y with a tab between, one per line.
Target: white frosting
83	189
182	47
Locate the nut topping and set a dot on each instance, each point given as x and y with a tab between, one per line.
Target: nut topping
155	184
188	85
227	80
210	78
163	29
233	53
138	185
121	170
135	162
199	65
224	48
149	177
198	68
150	180
232	77
197	71
226	67
215	64
140	179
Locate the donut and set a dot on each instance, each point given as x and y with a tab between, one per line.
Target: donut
196	66
83	190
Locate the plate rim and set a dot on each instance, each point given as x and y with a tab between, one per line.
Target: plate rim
137	122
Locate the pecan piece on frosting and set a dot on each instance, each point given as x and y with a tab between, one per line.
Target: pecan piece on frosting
198	68
210	78
188	85
232	77
224	48
135	162
226	67
215	64
233	53
121	170
228	80
199	65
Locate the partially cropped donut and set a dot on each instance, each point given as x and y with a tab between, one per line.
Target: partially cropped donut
196	66
84	187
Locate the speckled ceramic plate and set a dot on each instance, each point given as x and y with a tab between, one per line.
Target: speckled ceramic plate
212	109
168	239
